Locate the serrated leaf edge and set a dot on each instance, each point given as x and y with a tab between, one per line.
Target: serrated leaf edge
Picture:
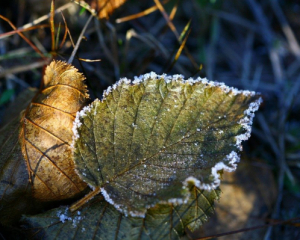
233	158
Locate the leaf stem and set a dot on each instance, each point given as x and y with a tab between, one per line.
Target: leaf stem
85	199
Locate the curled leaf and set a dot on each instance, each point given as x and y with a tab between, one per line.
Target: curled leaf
148	139
101	8
98	219
47	133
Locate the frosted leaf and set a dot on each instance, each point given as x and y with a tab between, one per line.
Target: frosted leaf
99	220
137	125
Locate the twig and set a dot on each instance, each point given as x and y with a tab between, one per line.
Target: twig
79	39
248	229
294	46
102	42
167	18
174	30
247	59
179	51
235	19
23	36
140	14
29	26
268	134
212	47
23	68
266	33
45	17
114	47
52	28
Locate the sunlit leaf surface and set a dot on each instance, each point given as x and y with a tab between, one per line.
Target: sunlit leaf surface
147	139
47	133
99	220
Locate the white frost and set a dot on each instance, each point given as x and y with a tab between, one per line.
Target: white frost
63	217
232	159
120	207
77	123
177	77
247	121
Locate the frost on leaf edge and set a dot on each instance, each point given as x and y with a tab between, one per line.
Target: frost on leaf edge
232	158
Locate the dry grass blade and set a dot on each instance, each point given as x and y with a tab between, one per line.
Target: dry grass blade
52	28
174	30
167	18
79	40
66	32
294	46
179	51
140	14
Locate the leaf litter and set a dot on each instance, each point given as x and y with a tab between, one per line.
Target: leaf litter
99	219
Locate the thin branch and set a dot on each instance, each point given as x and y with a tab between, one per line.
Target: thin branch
79	40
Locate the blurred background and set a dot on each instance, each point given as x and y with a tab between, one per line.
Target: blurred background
248	44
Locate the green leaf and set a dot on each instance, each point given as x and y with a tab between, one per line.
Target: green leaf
99	220
147	139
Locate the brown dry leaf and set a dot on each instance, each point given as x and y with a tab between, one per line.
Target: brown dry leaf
47	133
246	201
103	8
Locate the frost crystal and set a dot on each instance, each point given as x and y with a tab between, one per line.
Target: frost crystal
77	123
63	217
231	159
178	77
246	122
119	207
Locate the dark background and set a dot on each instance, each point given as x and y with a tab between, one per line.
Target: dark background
248	44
